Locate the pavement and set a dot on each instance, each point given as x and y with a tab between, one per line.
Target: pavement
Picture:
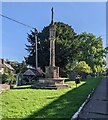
97	107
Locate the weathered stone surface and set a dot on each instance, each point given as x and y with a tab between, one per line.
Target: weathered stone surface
50	83
4	87
52	72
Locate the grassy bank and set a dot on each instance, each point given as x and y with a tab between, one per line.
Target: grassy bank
35	103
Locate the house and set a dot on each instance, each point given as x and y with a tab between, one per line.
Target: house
4	64
1	68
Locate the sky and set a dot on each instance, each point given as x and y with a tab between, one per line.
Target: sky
83	17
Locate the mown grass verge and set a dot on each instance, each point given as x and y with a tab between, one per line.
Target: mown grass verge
36	103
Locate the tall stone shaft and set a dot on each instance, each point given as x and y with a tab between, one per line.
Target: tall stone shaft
52	40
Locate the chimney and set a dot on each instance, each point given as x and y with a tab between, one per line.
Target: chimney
2	61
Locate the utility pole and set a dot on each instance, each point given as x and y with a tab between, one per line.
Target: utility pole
36	55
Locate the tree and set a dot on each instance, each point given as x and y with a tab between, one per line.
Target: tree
4	78
70	49
92	51
66	46
11	79
82	67
19	67
8	76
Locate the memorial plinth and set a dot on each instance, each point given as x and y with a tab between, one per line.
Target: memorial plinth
52	72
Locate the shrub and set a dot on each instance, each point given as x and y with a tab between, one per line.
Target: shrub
82	67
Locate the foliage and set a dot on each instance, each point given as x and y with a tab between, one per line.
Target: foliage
33	103
19	67
66	46
92	52
82	67
11	78
8	76
70	49
4	78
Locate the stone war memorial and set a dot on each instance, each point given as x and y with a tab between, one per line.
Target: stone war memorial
52	79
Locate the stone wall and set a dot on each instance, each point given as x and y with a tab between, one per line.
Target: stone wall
4	87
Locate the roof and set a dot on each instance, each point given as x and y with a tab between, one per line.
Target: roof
1	65
33	72
9	66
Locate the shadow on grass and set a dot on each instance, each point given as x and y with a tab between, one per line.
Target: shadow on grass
68	80
63	107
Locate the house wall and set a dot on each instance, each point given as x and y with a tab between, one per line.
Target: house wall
2	61
1	70
4	64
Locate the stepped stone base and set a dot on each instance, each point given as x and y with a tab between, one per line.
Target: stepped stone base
51	80
50	83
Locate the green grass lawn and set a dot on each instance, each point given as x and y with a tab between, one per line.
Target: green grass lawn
36	103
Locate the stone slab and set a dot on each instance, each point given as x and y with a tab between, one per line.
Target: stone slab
52	72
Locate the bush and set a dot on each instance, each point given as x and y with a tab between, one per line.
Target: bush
11	78
82	67
8	78
4	78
